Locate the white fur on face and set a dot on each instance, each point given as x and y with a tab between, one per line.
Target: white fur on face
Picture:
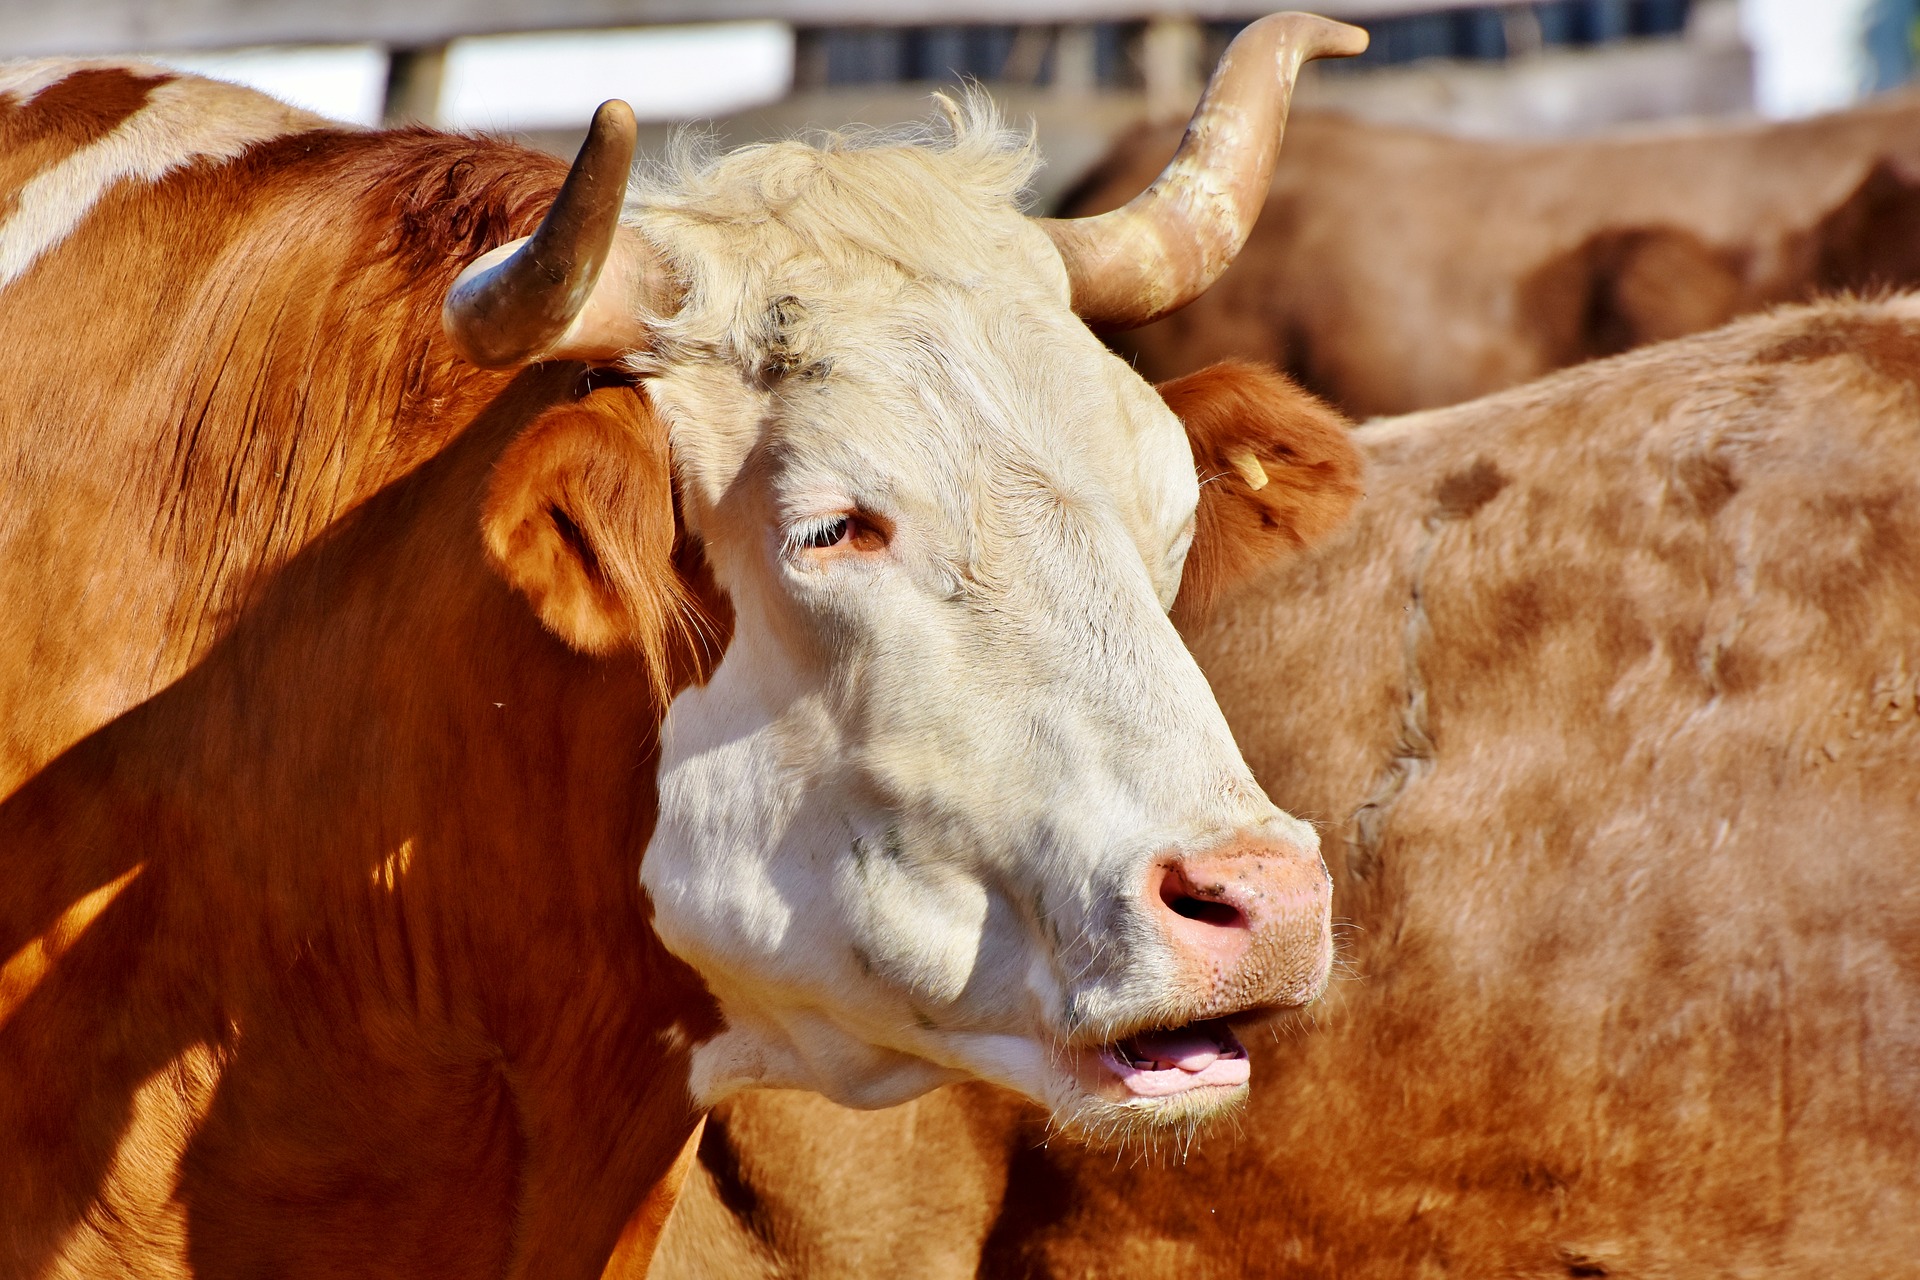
905	829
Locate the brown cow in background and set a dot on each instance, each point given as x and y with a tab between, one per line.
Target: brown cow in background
1607	704
1396	269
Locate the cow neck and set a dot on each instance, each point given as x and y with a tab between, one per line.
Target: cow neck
372	869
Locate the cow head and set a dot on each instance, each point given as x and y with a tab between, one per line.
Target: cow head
956	801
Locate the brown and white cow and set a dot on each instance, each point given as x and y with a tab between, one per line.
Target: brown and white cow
1608	699
1396	269
791	527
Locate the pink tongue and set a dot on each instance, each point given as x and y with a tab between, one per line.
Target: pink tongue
1176	1061
1189	1051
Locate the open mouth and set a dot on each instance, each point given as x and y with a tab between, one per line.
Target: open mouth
1178	1060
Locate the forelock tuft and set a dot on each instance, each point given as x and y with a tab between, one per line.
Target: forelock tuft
969	146
927	202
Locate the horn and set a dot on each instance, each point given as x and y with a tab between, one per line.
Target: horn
1168	244
576	288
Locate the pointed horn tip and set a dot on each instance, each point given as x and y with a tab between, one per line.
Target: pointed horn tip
614	115
1320	37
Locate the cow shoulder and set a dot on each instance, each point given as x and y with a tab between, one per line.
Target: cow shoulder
1277	474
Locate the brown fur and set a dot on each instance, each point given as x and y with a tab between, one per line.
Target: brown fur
1395	269
578	520
1608	699
1312	469
332	673
77	112
381	973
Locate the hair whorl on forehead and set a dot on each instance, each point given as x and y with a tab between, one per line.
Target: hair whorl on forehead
928	202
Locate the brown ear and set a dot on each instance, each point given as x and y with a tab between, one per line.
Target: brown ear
1277	473
579	519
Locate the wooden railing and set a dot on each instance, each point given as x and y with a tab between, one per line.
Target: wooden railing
114	26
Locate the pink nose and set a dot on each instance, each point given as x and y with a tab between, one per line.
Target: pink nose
1247	923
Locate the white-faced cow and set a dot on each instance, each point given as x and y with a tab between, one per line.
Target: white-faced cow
1609	698
780	518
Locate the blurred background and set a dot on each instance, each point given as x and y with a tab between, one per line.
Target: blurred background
1081	70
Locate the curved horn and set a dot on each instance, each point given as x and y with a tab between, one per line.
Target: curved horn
575	289
1168	244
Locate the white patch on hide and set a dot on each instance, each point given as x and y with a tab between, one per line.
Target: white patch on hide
183	120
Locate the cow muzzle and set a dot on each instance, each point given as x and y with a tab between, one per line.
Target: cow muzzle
1248	925
1248	928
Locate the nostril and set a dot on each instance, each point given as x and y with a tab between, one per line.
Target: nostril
1208	912
1181	901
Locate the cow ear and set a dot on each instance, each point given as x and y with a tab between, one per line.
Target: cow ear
579	518
1278	472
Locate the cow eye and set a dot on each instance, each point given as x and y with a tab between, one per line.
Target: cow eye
846	532
829	531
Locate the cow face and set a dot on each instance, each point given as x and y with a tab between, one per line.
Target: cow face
956	800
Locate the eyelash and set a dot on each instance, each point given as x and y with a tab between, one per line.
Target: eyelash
829	531
845	531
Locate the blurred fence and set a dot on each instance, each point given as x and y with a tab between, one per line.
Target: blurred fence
109	26
1080	69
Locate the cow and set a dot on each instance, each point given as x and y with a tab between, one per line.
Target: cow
1608	702
1397	269
497	658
